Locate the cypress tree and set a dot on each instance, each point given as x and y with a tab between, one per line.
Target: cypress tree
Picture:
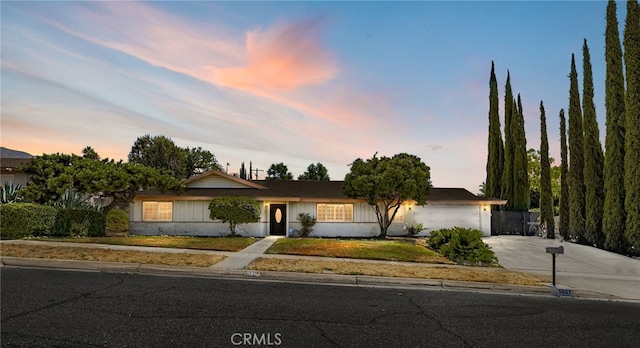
243	172
593	159
495	157
546	195
521	196
564	180
507	174
576	157
614	214
632	128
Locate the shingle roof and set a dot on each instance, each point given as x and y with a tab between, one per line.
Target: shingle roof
13	163
317	190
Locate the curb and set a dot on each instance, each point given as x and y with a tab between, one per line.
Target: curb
338	279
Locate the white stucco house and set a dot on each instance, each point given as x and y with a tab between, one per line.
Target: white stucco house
187	213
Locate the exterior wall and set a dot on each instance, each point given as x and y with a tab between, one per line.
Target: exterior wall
361	212
435	217
16	178
208	229
364	225
192	218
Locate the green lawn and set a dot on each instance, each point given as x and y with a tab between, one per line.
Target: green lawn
389	250
203	243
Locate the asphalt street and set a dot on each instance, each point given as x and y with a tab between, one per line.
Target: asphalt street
84	309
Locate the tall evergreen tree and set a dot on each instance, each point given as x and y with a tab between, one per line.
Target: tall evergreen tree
576	158
546	195
614	214
632	121
250	170
506	191
565	216
243	171
521	197
495	157
593	158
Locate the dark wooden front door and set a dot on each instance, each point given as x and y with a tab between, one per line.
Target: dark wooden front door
278	219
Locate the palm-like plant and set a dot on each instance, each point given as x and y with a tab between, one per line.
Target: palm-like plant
9	193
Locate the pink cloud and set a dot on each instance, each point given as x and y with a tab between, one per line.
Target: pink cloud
157	37
285	65
283	57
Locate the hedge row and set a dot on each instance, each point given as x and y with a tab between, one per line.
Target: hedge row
79	223
19	220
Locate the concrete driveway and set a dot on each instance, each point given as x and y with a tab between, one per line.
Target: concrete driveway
580	268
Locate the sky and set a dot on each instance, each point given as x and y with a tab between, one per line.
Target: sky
297	82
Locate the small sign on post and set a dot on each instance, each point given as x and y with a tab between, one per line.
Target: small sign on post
560	292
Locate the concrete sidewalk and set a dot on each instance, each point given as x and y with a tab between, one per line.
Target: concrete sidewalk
580	267
510	253
244	257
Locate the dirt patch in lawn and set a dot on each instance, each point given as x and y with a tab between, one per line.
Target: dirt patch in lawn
92	254
476	274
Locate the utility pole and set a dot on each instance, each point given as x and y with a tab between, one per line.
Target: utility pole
257	170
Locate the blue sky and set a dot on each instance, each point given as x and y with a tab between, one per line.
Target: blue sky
292	82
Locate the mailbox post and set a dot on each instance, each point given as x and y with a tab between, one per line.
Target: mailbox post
554	251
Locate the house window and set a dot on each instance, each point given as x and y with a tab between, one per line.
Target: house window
157	211
399	215
335	212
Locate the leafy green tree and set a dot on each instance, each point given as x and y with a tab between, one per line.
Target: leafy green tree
614	213
279	171
90	153
160	152
116	182
198	161
546	194
534	177
534	168
506	191
520	172
315	172
495	157
593	159
385	183
565	215
234	210
632	121
576	168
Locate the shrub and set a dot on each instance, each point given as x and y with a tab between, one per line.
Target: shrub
118	220
9	193
71	199
440	237
414	229
463	245
19	220
235	211
307	221
79	223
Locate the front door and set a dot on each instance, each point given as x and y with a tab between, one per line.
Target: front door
277	219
